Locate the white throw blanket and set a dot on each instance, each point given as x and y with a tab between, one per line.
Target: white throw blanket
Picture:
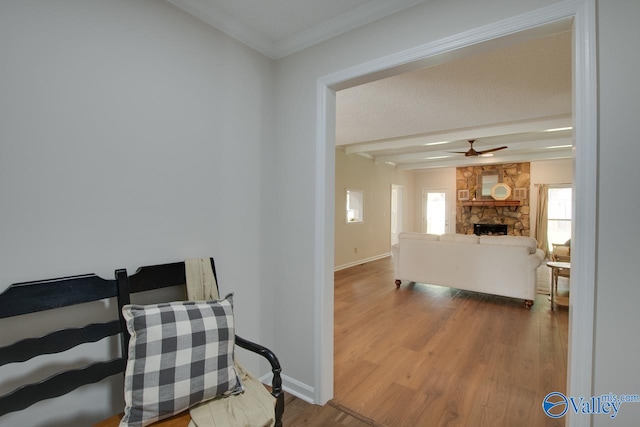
252	408
201	284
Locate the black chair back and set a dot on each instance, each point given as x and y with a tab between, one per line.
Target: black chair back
44	295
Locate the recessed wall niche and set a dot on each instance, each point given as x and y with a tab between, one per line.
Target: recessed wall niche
515	175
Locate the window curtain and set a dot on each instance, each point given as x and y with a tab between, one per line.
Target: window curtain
542	218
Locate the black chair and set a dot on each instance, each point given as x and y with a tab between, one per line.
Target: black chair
40	296
168	275
44	295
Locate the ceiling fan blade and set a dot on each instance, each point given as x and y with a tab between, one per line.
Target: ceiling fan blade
492	150
473	153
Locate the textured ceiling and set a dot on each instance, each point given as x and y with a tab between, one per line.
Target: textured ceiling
504	97
525	81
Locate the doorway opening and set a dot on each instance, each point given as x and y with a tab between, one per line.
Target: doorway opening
434	211
539	22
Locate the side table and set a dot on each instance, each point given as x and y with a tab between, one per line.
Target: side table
556	266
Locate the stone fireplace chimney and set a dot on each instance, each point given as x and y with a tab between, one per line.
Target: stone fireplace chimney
494	218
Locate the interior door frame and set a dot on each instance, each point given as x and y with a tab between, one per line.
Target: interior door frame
582	13
400	208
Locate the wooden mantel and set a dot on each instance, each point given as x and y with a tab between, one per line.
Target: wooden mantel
492	203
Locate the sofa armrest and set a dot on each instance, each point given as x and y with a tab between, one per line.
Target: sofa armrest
536	259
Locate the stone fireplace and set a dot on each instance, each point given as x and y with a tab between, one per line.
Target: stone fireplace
491	217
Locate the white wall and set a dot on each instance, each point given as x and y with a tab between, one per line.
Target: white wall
131	133
617	315
356	242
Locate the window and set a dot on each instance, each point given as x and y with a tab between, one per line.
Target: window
559	215
355	206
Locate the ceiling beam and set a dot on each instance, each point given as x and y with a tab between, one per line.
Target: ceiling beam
522	146
537	125
565	153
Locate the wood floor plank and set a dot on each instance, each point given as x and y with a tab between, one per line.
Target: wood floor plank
426	355
299	413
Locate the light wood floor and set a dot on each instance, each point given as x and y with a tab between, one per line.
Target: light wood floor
425	355
299	413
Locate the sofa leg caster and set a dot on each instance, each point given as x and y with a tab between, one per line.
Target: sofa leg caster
528	303
398	282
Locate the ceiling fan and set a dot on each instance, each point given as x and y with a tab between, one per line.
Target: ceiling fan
473	153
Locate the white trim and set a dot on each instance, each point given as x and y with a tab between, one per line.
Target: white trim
454	46
362	261
291	386
324	241
399	213
583	244
224	22
369	12
586	117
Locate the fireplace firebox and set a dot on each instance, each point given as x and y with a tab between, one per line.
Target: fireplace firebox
489	229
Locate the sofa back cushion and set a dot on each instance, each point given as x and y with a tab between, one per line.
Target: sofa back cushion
462	238
418	236
525	241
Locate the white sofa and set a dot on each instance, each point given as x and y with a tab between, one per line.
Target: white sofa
498	265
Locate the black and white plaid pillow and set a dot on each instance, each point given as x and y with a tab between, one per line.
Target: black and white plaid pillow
180	354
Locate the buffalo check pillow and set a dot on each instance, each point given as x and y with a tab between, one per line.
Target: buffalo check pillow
180	354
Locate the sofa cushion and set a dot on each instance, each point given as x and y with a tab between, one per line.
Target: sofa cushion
528	242
418	236
462	238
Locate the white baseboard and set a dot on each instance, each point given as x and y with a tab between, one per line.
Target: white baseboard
292	386
362	261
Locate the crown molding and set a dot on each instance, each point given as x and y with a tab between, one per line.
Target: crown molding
343	23
224	22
